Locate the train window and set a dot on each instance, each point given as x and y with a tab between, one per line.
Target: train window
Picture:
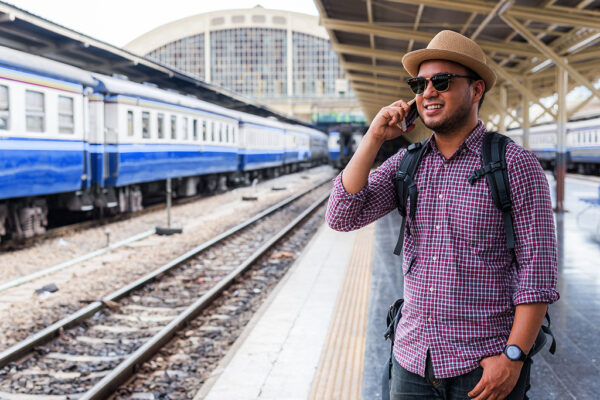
220	132
129	123
226	133
146	125
204	131
212	131
66	123
34	111
4	108
185	128
173	127
160	125
195	129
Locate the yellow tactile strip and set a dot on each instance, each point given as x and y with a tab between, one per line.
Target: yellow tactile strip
339	373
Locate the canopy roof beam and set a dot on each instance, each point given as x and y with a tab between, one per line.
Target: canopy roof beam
548	52
520	87
407	34
555	15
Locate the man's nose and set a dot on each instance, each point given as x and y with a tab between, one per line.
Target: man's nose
429	89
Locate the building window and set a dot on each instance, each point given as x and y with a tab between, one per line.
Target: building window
129	123
34	111
250	61
4	108
160	125
173	127
146	125
185	54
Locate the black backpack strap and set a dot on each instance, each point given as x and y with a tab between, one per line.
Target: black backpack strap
493	161
405	186
494	169
393	318
541	339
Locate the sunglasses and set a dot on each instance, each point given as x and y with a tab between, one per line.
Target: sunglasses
441	82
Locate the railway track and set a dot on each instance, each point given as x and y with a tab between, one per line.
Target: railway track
60	231
90	353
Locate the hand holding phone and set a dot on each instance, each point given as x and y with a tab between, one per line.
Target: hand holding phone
412	116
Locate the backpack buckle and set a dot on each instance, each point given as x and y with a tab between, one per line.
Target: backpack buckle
414	146
478	173
400	175
506	205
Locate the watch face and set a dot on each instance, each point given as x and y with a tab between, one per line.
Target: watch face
513	352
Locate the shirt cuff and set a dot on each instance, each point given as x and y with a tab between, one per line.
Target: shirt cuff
340	192
526	296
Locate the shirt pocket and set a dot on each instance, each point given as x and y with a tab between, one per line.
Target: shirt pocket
409	257
473	217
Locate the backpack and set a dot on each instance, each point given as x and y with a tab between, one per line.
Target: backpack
494	169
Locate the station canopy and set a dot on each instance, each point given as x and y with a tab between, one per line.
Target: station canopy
526	43
32	34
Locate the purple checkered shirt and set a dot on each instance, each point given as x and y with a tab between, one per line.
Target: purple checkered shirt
460	281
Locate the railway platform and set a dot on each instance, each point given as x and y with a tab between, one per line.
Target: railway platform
320	333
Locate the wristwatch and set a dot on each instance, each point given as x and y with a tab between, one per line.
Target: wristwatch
514	352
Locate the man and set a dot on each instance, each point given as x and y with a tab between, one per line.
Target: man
467	296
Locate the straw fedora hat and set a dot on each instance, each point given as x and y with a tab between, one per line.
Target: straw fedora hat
452	46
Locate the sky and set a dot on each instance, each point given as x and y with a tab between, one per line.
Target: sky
120	21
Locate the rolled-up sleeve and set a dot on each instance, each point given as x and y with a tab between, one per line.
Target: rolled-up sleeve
535	234
347	211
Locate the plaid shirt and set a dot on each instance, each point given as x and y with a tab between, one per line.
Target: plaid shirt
460	281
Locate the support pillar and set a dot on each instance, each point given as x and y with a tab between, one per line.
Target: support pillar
560	168
525	114
503	105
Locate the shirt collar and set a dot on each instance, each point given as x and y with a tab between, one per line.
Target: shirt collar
472	143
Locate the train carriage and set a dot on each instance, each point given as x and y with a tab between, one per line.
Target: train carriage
43	147
152	135
261	145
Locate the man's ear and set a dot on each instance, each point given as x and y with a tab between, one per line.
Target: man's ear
478	90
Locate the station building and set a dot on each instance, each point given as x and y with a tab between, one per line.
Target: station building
282	59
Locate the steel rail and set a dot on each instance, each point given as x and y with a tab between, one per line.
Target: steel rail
88	256
127	368
20	349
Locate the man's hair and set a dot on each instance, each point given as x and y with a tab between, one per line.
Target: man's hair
475	75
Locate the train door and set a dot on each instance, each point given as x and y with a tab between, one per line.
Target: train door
111	143
95	139
85	127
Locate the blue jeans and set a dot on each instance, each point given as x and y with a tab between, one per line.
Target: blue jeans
408	386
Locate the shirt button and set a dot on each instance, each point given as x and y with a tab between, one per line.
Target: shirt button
434	258
445	165
441	196
429	319
437	227
431	289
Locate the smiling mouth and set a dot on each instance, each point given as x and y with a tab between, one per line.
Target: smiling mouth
433	107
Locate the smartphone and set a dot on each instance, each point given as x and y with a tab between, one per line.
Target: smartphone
412	116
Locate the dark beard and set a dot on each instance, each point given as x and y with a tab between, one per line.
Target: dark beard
453	122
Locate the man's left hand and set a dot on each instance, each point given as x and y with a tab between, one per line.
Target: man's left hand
500	375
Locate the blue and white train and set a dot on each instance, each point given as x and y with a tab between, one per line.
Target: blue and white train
79	141
343	142
582	144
